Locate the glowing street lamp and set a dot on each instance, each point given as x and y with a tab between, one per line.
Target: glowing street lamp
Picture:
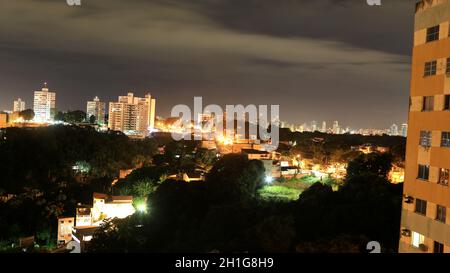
269	179
142	208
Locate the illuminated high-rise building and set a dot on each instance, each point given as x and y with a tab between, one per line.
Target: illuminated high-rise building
19	105
393	131
132	115
44	105
404	130
336	128
313	126
324	127
425	221
96	108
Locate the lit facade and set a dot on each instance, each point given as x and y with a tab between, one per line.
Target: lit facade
96	108
19	105
104	207
44	105
425	223
65	225
132	115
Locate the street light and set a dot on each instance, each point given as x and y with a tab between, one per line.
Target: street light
142	208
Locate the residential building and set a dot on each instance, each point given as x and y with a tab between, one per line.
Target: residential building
132	115
19	105
65	225
404	130
96	108
3	120
393	130
336	128
44	105
313	126
424	228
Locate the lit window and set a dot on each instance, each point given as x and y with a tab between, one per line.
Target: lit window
430	68
428	103
441	213
425	138
417	239
443	176
433	34
421	207
445	139
424	172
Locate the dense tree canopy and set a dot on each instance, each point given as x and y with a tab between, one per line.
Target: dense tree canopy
27	114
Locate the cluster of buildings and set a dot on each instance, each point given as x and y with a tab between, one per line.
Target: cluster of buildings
88	218
394	130
134	116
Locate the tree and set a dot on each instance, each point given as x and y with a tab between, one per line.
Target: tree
27	114
118	236
59	116
205	158
92	119
76	116
235	178
373	164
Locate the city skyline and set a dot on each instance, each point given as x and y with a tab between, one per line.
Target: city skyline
260	63
296	125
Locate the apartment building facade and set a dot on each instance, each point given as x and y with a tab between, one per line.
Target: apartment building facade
44	105
132	115
96	108
425	223
18	105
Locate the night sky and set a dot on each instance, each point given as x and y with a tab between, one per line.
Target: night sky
318	59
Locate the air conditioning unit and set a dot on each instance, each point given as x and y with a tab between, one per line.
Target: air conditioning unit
406	232
409	199
423	247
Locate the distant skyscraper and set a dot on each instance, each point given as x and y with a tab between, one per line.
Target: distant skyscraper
336	127
404	130
292	127
394	130
132	115
313	126
19	105
324	127
96	108
152	116
44	105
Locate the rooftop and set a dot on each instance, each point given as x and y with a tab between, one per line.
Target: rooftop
426	4
253	151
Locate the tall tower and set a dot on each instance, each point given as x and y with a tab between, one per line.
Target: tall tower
393	131
425	222
19	105
96	108
313	126
336	127
404	130
132	115
44	105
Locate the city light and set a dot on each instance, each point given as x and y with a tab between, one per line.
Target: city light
269	179
142	207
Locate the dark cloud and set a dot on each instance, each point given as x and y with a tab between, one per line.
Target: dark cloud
319	60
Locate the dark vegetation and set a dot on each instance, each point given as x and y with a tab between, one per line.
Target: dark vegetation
224	213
